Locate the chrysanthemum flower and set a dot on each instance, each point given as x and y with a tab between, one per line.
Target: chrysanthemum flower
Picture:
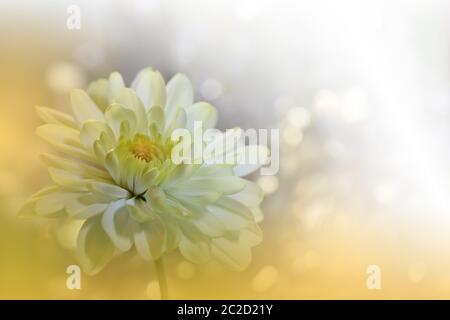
112	171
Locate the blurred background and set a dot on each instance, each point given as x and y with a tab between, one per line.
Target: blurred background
359	91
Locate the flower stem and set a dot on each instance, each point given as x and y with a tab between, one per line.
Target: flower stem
162	279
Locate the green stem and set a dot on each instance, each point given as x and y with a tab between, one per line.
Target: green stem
162	279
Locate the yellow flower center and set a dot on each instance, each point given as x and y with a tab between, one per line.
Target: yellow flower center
143	148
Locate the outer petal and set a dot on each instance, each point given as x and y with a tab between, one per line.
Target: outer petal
67	231
118	224
67	164
56	117
108	190
251	158
64	139
83	107
232	213
68	179
223	146
203	112
231	252
224	185
257	214
88	211
193	245
251	196
49	202
251	236
115	84
150	240
94	247
98	91
209	224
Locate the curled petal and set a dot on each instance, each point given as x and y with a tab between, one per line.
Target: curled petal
118	224
94	247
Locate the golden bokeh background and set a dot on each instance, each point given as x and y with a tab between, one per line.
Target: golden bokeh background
359	91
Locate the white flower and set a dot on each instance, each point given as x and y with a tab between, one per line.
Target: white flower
113	172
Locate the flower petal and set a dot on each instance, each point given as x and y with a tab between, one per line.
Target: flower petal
86	169
112	165
28	209
251	158
56	117
180	94
251	196
116	114
67	231
118	224
223	185
257	214
145	181
193	245
115	84
127	98
231	252
94	247
98	91
251	236
232	213
150	240
178	121
50	204
203	112
150	88
209	224
156	116
67	179
110	190
223	146
86	212
83	107
91	131
65	140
